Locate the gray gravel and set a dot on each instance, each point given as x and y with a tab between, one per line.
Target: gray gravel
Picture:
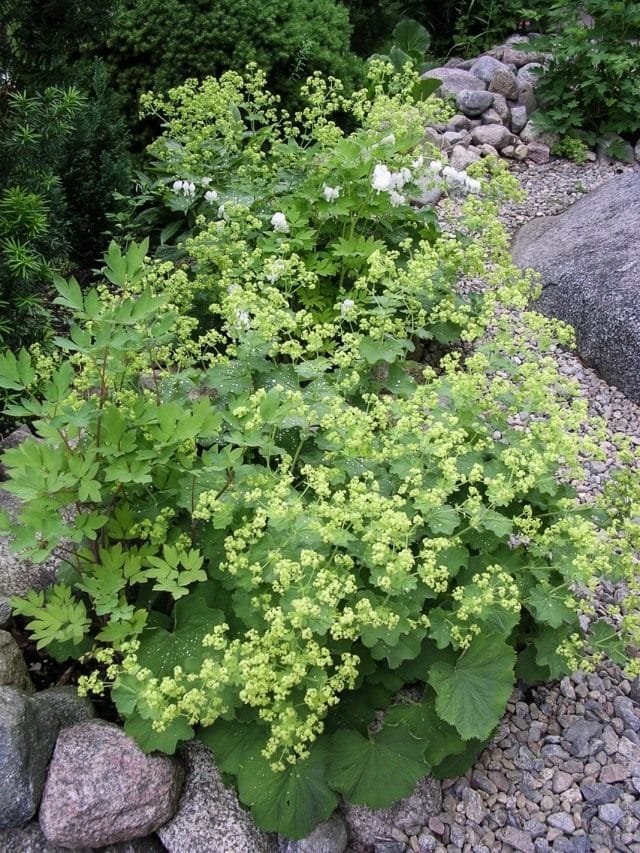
563	772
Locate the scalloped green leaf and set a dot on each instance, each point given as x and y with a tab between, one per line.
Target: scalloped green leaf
528	670
443	520
604	637
292	802
357	764
546	642
407	647
440	740
358	707
149	740
411	36
389	350
500	525
456	765
162	650
234	744
472	693
549	607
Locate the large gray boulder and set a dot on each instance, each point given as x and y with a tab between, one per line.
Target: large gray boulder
589	261
13	669
29	726
28	731
30	839
453	80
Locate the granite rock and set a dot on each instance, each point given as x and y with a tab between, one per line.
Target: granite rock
599	793
12	440
209	817
522	57
28	731
486	67
501	106
330	836
518	118
491	116
18	574
473	102
526	97
13	669
504	82
588	258
530	73
538	152
31	839
64	703
492	134
365	825
454	80
102	789
461	157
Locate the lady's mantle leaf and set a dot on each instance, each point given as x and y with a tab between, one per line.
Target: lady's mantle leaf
234	744
549	607
440	740
473	692
357	764
149	740
162	650
292	802
458	764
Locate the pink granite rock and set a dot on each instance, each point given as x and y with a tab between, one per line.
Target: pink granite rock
101	788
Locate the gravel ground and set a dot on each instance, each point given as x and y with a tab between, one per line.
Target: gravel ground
563	772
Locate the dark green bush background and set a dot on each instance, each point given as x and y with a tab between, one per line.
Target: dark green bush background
112	51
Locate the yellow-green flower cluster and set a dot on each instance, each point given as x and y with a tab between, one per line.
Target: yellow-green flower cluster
494	588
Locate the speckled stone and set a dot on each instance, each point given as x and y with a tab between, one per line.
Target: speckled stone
28	733
13	669
102	789
209	818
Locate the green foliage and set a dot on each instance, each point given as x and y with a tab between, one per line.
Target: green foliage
473	691
38	38
481	24
61	625
373	20
292	799
33	133
591	86
462	26
63	152
410	43
272	524
96	165
572	148
214	158
157	44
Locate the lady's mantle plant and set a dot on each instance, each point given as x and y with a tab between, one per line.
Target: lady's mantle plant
271	523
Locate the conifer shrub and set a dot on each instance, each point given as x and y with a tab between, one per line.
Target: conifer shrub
34	131
157	44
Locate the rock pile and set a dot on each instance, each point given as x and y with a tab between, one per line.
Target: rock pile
495	97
